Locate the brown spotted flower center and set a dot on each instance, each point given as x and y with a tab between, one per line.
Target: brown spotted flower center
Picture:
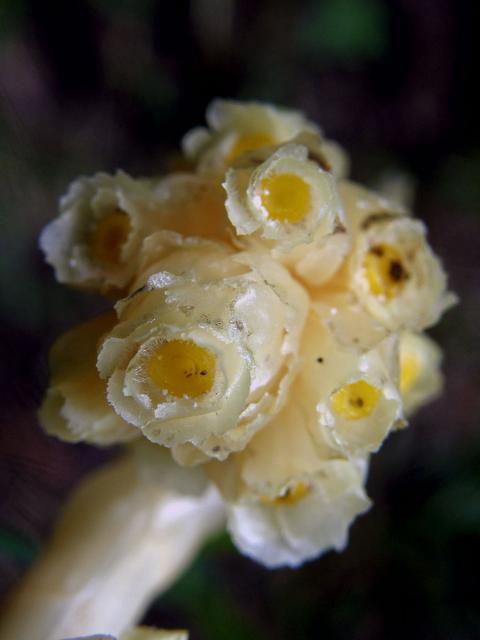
182	368
385	270
355	401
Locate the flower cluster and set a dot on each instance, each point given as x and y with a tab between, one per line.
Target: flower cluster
267	334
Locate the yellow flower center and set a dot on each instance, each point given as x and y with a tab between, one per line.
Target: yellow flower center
109	236
409	370
286	197
182	367
355	401
247	143
386	274
290	496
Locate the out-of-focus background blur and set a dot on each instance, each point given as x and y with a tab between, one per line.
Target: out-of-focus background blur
90	85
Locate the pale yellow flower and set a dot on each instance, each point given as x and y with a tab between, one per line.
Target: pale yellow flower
391	280
75	407
357	399
392	270
395	275
287	200
95	240
421	377
317	262
235	128
308	516
290	496
191	360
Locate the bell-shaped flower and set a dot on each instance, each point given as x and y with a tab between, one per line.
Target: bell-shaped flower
357	398
95	240
290	497
391	280
287	200
236	128
191	360
395	275
75	407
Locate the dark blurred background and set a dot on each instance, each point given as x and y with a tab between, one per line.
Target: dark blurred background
90	85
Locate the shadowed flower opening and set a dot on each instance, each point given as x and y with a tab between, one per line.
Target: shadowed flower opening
355	401
249	143
385	271
291	495
182	368
286	197
109	236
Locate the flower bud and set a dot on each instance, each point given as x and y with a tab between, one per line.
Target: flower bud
421	378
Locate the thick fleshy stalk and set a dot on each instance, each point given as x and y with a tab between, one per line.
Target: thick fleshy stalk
118	543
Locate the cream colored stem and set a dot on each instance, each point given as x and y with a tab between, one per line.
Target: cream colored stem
119	542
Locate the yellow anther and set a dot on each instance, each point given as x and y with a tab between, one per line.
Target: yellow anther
182	367
248	143
409	371
355	401
385	270
109	236
291	495
286	197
